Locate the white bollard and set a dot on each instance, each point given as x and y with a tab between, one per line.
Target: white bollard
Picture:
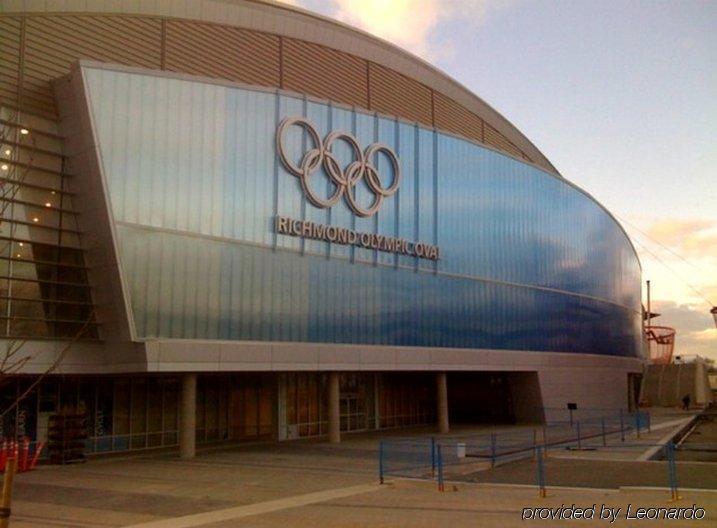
461	450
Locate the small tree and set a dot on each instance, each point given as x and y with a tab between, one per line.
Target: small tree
15	359
17	150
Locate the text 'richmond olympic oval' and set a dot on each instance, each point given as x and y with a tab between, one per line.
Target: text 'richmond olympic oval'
349	237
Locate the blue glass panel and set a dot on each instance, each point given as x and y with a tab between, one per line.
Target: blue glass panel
376	305
426	194
341	215
528	261
407	192
291	201
386	217
366	133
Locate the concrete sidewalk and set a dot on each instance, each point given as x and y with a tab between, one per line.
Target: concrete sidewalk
310	484
411	504
399	503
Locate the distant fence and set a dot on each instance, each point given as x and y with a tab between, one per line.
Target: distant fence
558	415
461	456
582	430
414	458
417	457
443	458
670	479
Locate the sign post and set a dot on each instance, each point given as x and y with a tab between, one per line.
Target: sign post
572	407
10	469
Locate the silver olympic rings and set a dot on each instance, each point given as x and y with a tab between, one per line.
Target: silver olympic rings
345	180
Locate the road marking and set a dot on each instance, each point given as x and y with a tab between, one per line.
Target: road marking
657	488
677	425
44	521
238	512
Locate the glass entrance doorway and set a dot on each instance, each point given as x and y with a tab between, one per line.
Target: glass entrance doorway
353	402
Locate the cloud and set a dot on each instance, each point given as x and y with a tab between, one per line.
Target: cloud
683	262
403	22
706	335
689	237
696	332
710	291
409	24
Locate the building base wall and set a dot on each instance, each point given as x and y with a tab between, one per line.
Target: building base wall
666	385
149	410
526	397
603	387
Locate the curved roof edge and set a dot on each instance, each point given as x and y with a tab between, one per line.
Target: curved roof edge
273	17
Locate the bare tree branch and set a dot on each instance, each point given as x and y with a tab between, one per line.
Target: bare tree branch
51	368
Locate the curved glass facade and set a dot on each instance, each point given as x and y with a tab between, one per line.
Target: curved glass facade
527	261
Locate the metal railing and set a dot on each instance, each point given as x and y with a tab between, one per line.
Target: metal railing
423	457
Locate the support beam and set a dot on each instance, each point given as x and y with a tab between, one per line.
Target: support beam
188	416
334	415
442	402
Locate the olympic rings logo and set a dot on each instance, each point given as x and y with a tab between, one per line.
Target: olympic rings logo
345	180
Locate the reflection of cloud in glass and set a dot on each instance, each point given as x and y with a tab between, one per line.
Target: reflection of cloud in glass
211	267
506	221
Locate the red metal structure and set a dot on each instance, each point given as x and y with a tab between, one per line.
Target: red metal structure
660	343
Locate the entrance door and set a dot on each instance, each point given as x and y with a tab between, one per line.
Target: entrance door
353	412
633	391
352	402
252	407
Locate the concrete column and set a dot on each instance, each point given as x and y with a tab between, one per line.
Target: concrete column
334	414
442	402
188	416
376	401
282	433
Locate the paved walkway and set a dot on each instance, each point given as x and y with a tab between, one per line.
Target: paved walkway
410	504
296	484
239	512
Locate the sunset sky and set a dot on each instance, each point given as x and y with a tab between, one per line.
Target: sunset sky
620	96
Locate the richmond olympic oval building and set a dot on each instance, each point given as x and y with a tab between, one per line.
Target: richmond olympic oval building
241	221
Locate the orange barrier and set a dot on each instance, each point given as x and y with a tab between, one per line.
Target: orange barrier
21	451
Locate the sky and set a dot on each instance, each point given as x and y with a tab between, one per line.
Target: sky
620	96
